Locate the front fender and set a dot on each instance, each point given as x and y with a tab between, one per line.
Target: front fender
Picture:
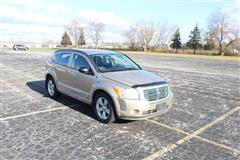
107	86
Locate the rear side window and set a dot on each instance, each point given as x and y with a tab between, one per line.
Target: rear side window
79	62
63	59
55	57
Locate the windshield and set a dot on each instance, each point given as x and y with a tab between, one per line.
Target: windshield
113	62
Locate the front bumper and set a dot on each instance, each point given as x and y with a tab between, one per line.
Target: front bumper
143	109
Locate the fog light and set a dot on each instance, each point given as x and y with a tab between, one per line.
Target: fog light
122	105
135	111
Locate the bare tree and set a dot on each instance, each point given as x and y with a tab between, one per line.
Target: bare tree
224	29
164	33
95	32
75	30
132	37
146	32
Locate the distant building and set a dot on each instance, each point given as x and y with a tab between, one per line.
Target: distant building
6	45
33	45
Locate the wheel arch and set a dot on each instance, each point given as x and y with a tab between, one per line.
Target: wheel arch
97	91
48	75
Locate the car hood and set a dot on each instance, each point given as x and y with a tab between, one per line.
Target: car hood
134	77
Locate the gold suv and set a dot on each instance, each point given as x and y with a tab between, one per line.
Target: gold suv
110	81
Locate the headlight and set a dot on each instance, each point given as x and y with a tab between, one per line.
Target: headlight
126	93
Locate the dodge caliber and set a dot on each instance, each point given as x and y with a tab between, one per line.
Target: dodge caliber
110	81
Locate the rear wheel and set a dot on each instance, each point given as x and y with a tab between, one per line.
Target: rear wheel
51	88
104	108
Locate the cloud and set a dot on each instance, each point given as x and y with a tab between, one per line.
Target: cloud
238	6
27	20
30	32
30	17
113	37
108	18
37	6
232	10
30	28
41	20
238	3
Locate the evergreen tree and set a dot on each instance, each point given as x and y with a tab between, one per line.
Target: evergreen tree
81	40
195	39
176	41
66	39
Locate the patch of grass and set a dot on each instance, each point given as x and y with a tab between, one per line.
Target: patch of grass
43	49
206	57
197	56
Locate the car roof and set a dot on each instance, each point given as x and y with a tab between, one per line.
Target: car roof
90	51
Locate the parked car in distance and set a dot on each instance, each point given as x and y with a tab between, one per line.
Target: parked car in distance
110	81
18	47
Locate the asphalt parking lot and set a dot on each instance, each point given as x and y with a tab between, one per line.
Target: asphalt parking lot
203	123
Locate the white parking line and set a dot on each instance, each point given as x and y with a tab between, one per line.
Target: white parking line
171	147
198	137
33	113
218	144
167	126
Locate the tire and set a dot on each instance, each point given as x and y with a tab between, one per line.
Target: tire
51	88
104	108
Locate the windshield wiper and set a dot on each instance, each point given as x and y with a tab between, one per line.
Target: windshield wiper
127	69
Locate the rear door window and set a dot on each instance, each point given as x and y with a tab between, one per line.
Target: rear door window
55	57
63	59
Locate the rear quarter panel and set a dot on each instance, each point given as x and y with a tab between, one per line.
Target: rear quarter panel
50	70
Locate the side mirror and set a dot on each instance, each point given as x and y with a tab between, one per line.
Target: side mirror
84	70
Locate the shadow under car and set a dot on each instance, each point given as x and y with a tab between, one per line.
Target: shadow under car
86	109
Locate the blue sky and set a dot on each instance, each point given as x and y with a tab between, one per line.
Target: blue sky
42	20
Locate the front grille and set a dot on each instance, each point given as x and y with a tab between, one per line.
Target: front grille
157	93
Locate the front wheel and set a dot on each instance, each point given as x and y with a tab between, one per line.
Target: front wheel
104	108
51	88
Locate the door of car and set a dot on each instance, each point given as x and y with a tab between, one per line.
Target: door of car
81	83
62	69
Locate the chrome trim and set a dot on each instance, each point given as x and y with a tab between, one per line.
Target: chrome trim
141	93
